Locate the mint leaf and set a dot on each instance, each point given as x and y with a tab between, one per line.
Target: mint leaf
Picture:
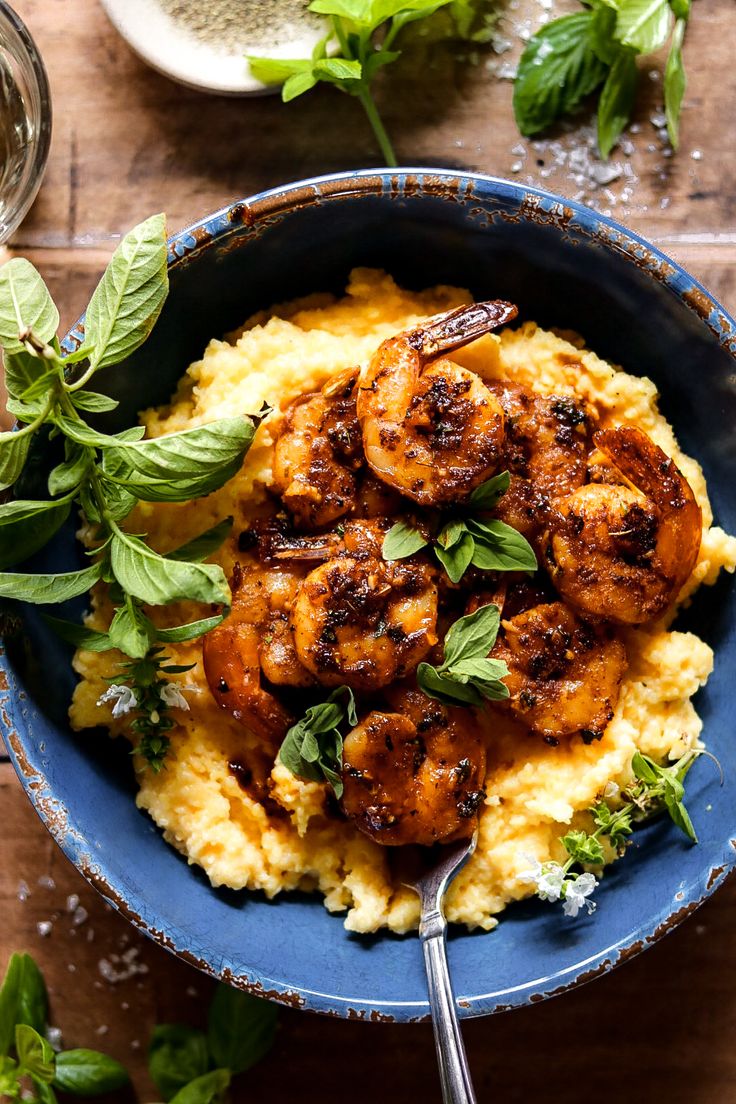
88	1073
48	589
617	101
176	1055
241	1028
558	68
129	297
157	581
402	540
25	304
642	25
674	83
26	526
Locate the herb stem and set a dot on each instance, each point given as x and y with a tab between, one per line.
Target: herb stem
369	106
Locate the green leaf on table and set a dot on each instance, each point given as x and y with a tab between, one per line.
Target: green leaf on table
204	1089
642	25
13	455
487	495
88	1073
203	545
457	558
240	1028
23	999
79	635
48	589
131	631
558	68
129	297
157	581
93	402
25	304
177	1054
312	748
35	1054
499	547
26	526
180	633
674	83
617	101
402	540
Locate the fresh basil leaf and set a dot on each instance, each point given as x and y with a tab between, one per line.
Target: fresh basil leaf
204	1089
487	495
93	402
26	526
499	547
33	1002
277	70
617	101
82	352
129	297
88	1073
35	1054
472	636
40	386
179	633
9	1002
335	70
21	371
642	25
69	474
240	1029
86	435
25	304
297	85
674	83
443	688
202	546
181	466
157	581
118	500
48	589
355	11
312	748
681	9
451	533
176	1055
558	68
46	1094
402	540
13	455
602	29
379	58
79	635
456	559
10	1087
131	631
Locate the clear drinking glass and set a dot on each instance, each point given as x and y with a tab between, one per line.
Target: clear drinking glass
25	120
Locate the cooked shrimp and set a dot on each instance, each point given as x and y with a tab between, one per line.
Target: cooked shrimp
362	621
622	552
564	673
255	642
546	444
413	772
318	452
431	429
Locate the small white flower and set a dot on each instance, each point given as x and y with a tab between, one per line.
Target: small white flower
172	696
532	874
547	877
611	789
576	892
123	697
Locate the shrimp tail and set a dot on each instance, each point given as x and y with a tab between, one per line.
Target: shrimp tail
453	329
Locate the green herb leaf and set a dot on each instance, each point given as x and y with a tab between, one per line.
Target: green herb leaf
129	297
9	1079
157	581
26	526
93	402
443	688
467	675
583	848
644	768
13	454
297	85
277	70
69	474
23	999
499	547
456	559
204	1089
642	25
472	636
451	533
176	1055
681	9
21	371
487	495
241	1028
680	817
402	540
48	589
202	546
181	466
558	68
131	631
25	304
312	748
179	633
35	1055
674	83
485	675
78	635
617	101
88	1073
337	69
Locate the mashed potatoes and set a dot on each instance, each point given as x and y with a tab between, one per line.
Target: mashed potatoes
535	792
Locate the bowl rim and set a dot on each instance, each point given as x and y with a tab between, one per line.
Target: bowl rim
541	206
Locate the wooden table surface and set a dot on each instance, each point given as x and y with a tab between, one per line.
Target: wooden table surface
127	142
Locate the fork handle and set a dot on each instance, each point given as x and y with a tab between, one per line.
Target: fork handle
457	1087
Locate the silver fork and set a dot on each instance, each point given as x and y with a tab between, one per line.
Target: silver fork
429	872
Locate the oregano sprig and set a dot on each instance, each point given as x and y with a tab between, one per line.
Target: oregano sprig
312	748
466	675
467	537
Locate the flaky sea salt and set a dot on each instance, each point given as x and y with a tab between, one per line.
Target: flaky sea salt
44	928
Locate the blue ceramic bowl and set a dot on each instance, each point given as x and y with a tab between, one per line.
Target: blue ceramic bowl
565	266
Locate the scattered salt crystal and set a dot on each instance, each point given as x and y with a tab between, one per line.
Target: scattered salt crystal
124	1005
191	991
500	44
135	1044
519	150
46	882
121	967
654	75
102	1029
658	119
507	71
517	166
697	155
44	928
80	915
71	968
53	1034
23	892
605	173
72	902
664	202
90	934
700	929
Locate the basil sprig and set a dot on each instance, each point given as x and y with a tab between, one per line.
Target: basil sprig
597	49
471	539
466	675
312	748
106	474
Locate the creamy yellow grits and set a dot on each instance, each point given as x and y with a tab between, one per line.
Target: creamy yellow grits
535	792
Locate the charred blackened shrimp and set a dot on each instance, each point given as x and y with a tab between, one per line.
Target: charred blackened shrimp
431	429
413	772
623	552
564	673
362	621
252	644
318	452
